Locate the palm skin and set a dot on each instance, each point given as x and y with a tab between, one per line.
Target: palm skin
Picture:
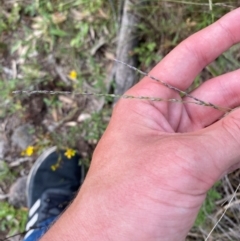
156	161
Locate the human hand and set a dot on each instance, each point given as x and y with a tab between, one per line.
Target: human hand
156	161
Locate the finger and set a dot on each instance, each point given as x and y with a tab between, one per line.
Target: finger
183	64
221	142
222	91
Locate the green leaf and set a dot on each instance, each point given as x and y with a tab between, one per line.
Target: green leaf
58	32
16	46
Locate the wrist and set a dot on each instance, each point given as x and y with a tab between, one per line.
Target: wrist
125	213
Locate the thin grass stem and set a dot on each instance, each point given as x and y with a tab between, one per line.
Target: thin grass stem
229	204
201	102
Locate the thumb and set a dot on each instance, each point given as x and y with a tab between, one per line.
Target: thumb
223	143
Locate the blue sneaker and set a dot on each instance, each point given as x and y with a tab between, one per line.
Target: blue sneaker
52	184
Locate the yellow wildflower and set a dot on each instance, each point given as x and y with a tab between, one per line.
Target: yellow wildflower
73	75
70	153
28	151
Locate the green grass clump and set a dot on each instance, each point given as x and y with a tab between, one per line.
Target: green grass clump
6	174
13	220
208	206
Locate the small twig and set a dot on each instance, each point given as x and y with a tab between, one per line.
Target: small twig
4	196
61	75
20	161
210	5
199	4
234	194
23	233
